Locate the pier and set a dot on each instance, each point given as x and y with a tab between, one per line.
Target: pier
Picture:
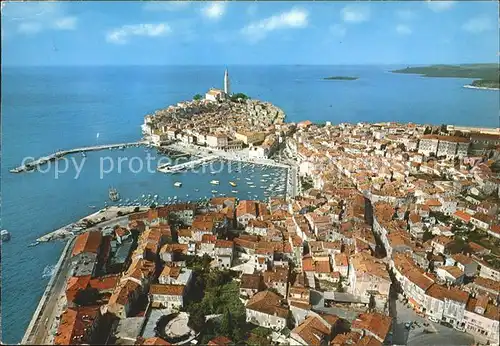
60	154
187	165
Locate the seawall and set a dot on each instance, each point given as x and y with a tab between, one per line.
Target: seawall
41	305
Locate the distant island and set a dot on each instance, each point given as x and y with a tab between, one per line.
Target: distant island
340	78
487	74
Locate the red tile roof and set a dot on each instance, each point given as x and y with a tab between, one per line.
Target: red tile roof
220	341
88	242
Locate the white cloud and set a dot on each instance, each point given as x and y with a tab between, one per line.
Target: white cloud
478	25
66	23
439	6
215	10
35	17
338	30
29	28
355	13
169	6
403	29
405	14
293	19
121	35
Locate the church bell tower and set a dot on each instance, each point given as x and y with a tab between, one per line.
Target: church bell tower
226	83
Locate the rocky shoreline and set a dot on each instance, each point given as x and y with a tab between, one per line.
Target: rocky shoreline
468	86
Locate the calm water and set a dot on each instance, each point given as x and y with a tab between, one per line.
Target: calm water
46	109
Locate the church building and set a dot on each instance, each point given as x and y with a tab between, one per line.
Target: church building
217	94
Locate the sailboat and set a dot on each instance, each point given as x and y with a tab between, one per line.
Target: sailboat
113	194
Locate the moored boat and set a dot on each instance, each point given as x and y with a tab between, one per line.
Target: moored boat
5	235
113	194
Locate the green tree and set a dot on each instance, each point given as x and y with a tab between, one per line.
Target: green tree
427	131
226	324
372	304
427	235
340	287
239	96
197	97
196	317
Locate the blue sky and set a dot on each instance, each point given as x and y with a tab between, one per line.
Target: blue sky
225	33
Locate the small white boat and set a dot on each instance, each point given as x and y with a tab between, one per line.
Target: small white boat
214	182
178	184
214	191
232	183
234	191
5	235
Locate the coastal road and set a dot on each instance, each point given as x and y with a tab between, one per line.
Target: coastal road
241	155
52	307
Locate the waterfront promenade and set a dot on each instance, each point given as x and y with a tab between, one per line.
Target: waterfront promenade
50	305
60	154
44	322
110	215
232	155
187	165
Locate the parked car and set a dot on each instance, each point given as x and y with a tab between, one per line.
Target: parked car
446	324
408	324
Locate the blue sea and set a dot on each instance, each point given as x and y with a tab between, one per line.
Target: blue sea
45	109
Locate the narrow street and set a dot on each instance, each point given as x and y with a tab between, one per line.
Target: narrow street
422	331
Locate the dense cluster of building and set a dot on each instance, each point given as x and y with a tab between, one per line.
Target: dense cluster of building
220	122
435	210
393	208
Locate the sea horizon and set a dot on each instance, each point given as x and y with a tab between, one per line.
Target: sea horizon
255	65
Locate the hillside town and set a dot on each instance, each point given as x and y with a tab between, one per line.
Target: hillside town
220	121
394	239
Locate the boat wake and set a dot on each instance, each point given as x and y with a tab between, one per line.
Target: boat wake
48	271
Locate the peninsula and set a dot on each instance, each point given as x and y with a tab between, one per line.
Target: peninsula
340	78
487	74
220	121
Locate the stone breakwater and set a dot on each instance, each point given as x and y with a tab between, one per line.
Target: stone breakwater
42	305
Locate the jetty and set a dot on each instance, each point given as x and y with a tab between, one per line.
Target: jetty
187	165
60	154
